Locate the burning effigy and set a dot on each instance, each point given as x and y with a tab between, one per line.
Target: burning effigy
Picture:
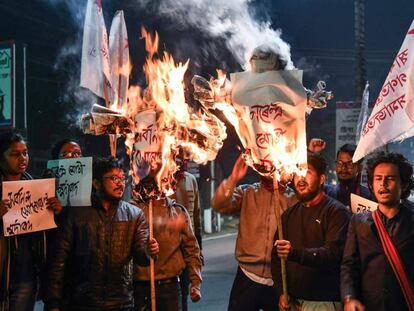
158	123
267	106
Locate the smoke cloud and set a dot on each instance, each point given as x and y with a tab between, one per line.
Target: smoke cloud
226	25
230	20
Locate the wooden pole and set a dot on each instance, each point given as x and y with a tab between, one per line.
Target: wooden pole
278	213
152	272
112	144
112	137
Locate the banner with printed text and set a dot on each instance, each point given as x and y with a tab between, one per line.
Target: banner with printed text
28	212
74	177
393	114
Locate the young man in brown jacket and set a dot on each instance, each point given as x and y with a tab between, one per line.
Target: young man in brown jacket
178	250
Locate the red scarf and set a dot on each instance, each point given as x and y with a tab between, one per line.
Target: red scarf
395	261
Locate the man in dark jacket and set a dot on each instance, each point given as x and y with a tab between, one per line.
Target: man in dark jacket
349	177
94	246
367	278
347	172
314	236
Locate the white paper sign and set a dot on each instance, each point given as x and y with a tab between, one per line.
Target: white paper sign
360	204
28	212
74	180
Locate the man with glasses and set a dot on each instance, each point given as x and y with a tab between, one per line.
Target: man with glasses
348	173
94	246
349	177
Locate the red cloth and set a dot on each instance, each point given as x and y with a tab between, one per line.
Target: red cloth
395	261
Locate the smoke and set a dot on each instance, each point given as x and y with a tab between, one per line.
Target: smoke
313	70
76	8
206	29
230	20
68	60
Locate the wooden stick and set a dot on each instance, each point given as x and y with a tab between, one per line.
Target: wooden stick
280	234
152	271
112	137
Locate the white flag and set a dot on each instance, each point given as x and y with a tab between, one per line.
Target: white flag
95	70
363	113
393	113
119	55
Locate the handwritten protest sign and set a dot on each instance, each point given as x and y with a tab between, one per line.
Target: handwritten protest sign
360	204
147	145
28	211
74	180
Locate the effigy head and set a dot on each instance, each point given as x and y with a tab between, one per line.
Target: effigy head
266	57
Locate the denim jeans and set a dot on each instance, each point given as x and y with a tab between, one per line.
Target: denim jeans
168	297
23	296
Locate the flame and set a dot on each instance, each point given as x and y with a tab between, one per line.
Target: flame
199	134
278	155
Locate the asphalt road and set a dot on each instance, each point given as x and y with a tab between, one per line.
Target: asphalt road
218	274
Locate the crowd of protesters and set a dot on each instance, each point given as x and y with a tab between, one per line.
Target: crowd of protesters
98	257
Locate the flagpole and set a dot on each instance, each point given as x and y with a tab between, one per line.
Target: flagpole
278	213
152	270
112	137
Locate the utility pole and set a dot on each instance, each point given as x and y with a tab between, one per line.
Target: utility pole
359	28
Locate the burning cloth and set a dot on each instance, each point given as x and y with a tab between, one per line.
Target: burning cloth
267	107
270	107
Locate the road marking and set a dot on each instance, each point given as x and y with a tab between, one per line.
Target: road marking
219	236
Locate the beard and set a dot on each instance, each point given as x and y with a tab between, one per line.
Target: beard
348	181
307	195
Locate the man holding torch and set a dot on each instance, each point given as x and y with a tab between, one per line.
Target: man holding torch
267	107
178	250
314	238
253	286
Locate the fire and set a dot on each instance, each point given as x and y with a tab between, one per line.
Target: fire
199	134
272	148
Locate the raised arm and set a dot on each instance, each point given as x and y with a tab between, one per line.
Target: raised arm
227	199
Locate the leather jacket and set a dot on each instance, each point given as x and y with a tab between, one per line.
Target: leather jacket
91	267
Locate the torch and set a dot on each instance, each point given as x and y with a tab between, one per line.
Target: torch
280	234
152	272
